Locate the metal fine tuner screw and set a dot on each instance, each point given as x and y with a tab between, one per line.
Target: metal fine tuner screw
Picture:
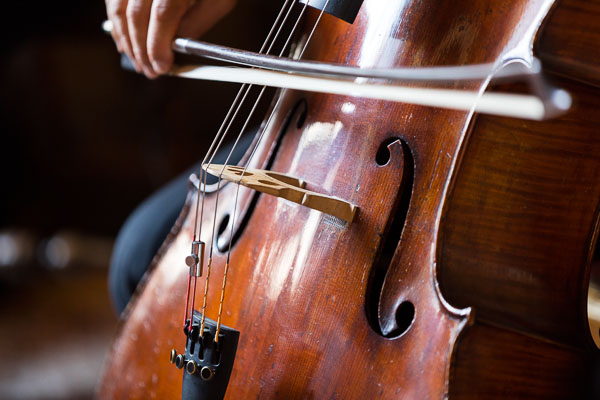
195	261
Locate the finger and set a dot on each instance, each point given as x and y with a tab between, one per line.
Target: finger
113	31
164	20
116	10
112	9
138	17
202	16
116	39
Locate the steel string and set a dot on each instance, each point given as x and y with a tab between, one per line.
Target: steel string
202	182
266	126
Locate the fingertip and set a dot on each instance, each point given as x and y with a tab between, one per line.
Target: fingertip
160	55
161	66
121	46
150	74
136	65
130	55
116	40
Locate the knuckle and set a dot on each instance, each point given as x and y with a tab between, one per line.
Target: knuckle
166	11
163	13
134	11
116	9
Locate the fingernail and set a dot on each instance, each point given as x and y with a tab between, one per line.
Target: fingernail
160	66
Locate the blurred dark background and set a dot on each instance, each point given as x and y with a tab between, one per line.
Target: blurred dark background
82	143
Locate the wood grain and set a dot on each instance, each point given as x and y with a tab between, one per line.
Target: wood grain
518	227
299	283
568	44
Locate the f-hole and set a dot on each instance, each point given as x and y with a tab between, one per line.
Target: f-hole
405	313
382	158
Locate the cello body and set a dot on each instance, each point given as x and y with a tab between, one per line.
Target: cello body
465	271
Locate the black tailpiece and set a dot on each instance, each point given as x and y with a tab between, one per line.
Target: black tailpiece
207	364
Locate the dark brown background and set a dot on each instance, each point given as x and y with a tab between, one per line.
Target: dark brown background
82	143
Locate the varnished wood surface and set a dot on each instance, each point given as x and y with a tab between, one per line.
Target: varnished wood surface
518	227
568	44
495	363
299	282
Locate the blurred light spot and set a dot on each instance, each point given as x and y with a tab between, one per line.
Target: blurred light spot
57	252
348	108
9	250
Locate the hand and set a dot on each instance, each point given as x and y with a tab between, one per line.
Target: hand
144	29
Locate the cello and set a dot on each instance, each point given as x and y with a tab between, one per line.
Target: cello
369	248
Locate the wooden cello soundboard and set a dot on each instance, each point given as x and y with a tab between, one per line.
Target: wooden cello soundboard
465	273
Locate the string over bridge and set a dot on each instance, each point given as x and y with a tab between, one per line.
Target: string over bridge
286	187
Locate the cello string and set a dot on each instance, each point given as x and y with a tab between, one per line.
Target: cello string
279	100
221	141
266	126
236	112
214	150
198	229
242	130
206	286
